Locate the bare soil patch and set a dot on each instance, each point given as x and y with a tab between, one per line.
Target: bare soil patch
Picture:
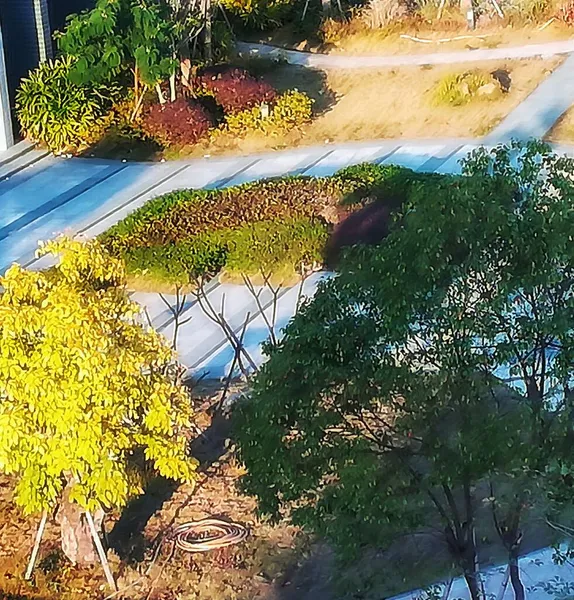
450	33
277	562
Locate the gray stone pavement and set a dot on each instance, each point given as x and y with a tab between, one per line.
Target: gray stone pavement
84	197
343	61
536	115
42	196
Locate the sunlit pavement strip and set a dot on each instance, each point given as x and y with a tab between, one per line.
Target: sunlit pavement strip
542	579
338	61
85	197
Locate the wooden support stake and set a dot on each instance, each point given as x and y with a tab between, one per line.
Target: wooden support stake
498	9
36	549
101	552
440	9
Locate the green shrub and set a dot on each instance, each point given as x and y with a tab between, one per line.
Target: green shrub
530	11
272	225
266	246
291	109
461	88
367	181
274	247
204	254
257	15
58	113
184	214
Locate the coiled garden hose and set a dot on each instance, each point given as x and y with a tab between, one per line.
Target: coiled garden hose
207	534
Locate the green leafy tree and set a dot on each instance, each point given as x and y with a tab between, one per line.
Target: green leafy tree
432	366
120	36
85	390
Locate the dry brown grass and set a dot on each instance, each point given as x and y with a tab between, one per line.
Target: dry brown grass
563	130
397	103
387	103
276	562
352	39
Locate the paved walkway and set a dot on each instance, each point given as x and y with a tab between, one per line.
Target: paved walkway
41	196
337	61
535	116
542	579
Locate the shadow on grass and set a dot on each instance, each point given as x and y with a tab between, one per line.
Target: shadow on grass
285	77
120	145
127	536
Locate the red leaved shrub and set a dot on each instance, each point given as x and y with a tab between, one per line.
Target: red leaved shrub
235	89
176	123
566	13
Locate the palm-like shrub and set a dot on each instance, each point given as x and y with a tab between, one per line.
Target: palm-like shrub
55	111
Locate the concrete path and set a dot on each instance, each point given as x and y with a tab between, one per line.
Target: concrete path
536	115
44	195
336	61
542	579
41	196
80	196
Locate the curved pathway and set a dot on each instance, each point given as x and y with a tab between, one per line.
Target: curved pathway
41	196
337	61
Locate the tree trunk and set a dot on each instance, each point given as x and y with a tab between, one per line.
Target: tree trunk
326	6
207	32
470	563
473	585
172	92
468	546
517	586
77	542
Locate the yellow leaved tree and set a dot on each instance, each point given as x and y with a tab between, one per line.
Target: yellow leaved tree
86	401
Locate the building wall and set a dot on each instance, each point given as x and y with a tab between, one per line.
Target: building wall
60	9
21	52
6	136
27	27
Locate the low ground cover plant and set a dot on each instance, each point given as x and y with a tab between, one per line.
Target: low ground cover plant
183	121
234	89
276	225
457	89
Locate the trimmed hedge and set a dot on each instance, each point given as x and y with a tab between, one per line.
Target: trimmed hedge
273	225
